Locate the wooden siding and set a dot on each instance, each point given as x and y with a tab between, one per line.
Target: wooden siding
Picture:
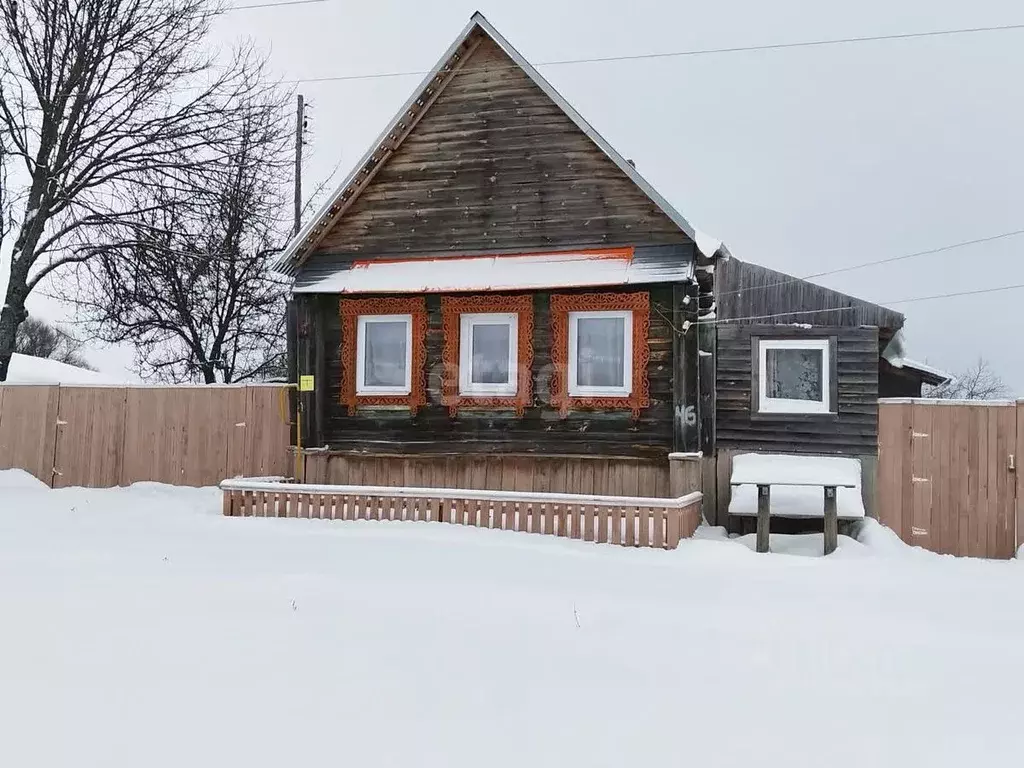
495	164
540	431
753	294
580	474
853	431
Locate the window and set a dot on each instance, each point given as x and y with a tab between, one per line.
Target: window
384	355
600	351
600	354
794	376
488	354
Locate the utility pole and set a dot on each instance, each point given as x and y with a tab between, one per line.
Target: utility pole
300	129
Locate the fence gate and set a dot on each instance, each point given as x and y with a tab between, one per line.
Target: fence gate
948	479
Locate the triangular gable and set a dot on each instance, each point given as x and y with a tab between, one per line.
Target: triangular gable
478	34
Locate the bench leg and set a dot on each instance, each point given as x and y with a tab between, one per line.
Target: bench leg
831	520
763	516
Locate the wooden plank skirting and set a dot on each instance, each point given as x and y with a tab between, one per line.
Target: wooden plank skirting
628	521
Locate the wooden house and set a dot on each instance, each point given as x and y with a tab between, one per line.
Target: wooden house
495	298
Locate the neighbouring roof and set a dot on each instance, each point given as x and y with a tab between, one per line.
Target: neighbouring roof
401	125
563	269
25	369
928	374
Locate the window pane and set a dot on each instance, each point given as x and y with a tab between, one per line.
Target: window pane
384	356
794	374
600	346
490	354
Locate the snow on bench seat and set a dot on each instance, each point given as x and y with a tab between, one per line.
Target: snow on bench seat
797	483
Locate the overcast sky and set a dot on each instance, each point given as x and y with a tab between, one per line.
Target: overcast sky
803	160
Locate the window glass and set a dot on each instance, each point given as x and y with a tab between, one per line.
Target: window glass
600	351
490	350
795	374
384	354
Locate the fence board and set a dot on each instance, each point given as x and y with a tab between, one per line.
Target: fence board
90	437
28	420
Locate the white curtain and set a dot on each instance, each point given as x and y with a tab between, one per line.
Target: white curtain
490	354
794	374
385	353
600	351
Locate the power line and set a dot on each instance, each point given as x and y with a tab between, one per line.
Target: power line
231	8
997	289
889	260
698	51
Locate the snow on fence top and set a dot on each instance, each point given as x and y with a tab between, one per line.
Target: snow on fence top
26	369
245	484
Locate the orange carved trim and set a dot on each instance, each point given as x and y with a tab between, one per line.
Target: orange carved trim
451	310
350	310
561	306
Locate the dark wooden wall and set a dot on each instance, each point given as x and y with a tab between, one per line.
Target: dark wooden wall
853	431
495	164
540	431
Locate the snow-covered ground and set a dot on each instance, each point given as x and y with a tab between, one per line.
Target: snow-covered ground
138	627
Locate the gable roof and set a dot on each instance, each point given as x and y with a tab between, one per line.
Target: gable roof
418	104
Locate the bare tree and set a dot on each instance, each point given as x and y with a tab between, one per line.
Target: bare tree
38	338
189	285
99	101
979	382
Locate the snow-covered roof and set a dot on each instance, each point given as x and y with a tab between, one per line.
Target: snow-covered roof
501	272
25	369
930	374
391	138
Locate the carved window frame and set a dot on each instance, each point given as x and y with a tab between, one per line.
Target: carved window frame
562	305
452	309
350	311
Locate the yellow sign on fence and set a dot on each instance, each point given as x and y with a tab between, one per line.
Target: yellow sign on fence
306	383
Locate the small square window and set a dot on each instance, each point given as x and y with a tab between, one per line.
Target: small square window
601	354
794	376
384	355
488	354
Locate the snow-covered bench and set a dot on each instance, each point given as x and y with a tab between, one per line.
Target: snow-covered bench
788	485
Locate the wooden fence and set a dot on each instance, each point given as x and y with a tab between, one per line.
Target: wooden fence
106	436
631	522
948	475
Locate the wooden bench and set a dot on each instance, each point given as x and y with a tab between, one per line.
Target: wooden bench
831	514
797	472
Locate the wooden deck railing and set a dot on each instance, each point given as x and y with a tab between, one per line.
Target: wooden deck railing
631	522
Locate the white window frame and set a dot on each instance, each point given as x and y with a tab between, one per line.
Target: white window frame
786	405
578	390
467	322
361	387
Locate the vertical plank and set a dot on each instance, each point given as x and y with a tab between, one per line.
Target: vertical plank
1019	475
615	521
831	520
644	524
763	517
672	527
658	521
603	515
590	518
631	525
